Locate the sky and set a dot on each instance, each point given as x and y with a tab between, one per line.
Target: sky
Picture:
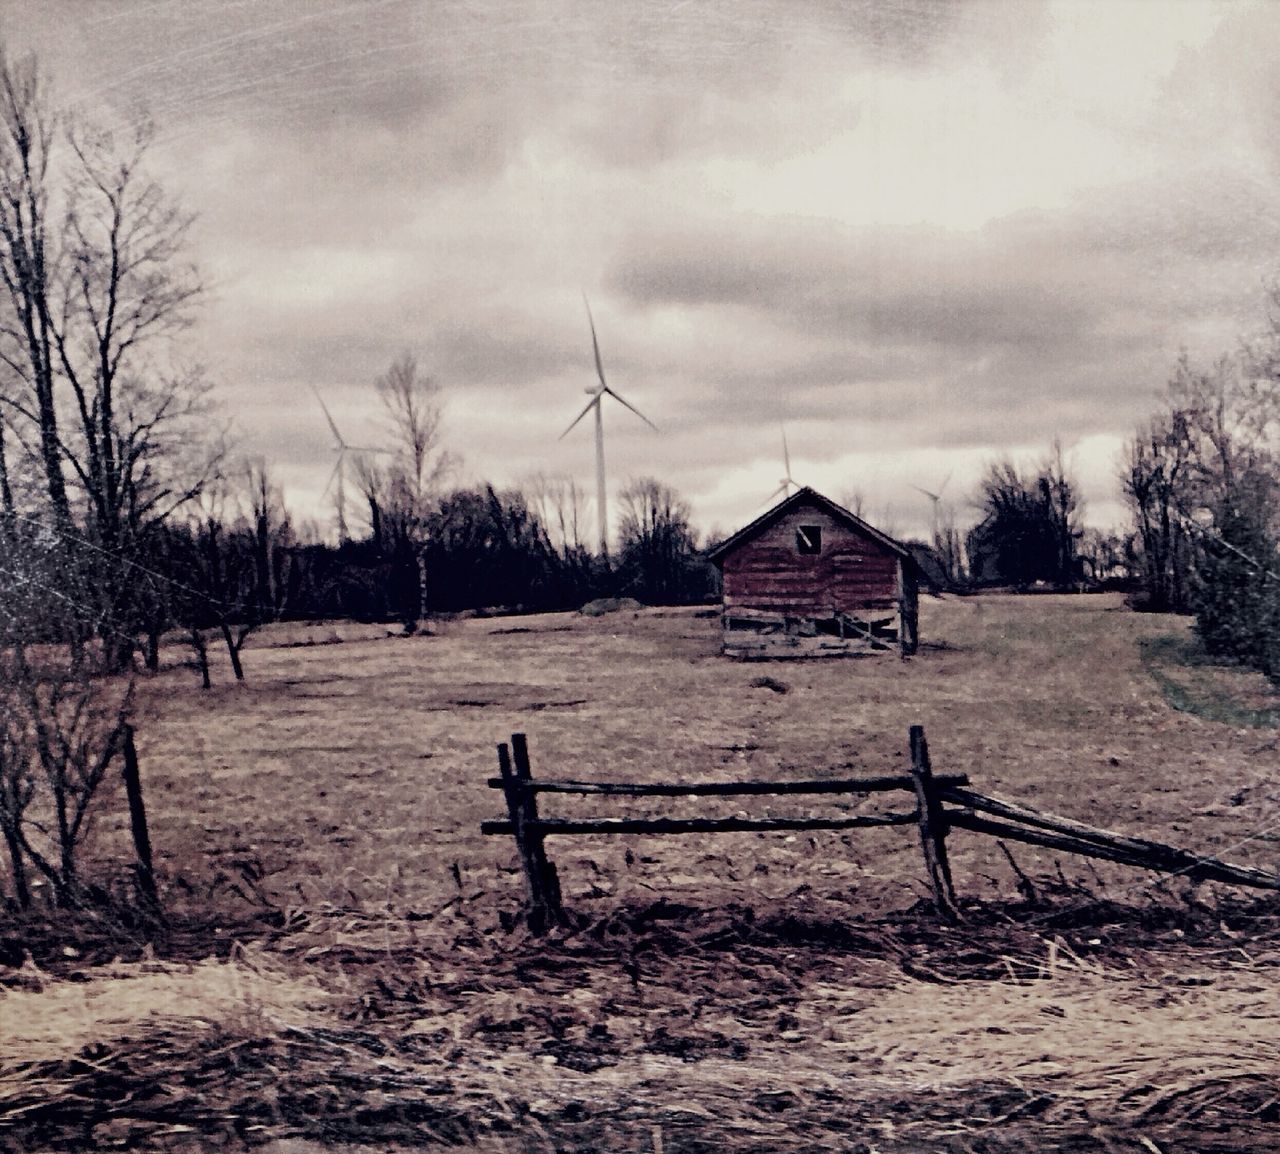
921	236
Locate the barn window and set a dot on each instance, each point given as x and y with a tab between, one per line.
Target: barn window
809	539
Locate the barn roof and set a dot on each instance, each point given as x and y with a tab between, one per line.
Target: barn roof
806	496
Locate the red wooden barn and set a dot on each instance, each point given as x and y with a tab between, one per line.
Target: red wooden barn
809	578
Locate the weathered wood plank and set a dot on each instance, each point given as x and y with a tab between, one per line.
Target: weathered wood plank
933	827
813	611
1002	807
788	647
1171	861
882	784
522	808
547	826
547	905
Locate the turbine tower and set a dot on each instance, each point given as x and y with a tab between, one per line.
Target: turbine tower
786	484
597	394
339	473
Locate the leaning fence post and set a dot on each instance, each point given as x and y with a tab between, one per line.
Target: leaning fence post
933	827
138	817
549	880
540	874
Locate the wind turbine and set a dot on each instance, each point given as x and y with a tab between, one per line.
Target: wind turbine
785	485
597	394
935	499
340	467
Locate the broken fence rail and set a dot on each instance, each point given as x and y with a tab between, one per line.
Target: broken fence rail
1053	832
931	816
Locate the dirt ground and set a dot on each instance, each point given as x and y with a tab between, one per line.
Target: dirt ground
344	967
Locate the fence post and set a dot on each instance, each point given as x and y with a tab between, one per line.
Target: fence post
933	827
138	817
544	885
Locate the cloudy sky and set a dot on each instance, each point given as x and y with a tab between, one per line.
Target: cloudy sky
920	234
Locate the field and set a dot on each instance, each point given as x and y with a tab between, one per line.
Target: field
344	967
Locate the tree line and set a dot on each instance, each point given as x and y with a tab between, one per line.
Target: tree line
124	518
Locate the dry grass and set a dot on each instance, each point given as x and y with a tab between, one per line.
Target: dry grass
789	1028
50	1020
353	773
745	992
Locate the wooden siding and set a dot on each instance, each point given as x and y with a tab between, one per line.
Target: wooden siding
852	570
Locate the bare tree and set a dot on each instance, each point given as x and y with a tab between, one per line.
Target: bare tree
8	506
401	495
17	788
1230	506
1155	482
658	544
950	550
560	505
1209	451
1203	482
1228	415
96	291
28	265
272	537
1105	556
854	500
234	568
415	410
1031	529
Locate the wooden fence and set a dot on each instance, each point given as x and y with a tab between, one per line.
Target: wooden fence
943	802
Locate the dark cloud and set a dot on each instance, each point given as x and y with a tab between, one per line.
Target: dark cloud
893	285
910	292
1196	214
903	32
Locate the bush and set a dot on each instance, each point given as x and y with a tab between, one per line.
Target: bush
1236	593
60	730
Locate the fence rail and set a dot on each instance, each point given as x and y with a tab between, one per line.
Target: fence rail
545	826
732	788
943	803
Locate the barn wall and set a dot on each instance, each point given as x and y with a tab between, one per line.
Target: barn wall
851	572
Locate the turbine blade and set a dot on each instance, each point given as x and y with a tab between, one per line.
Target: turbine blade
786	454
594	401
773	496
365	449
932	496
943	486
337	436
332	476
595	344
630	406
